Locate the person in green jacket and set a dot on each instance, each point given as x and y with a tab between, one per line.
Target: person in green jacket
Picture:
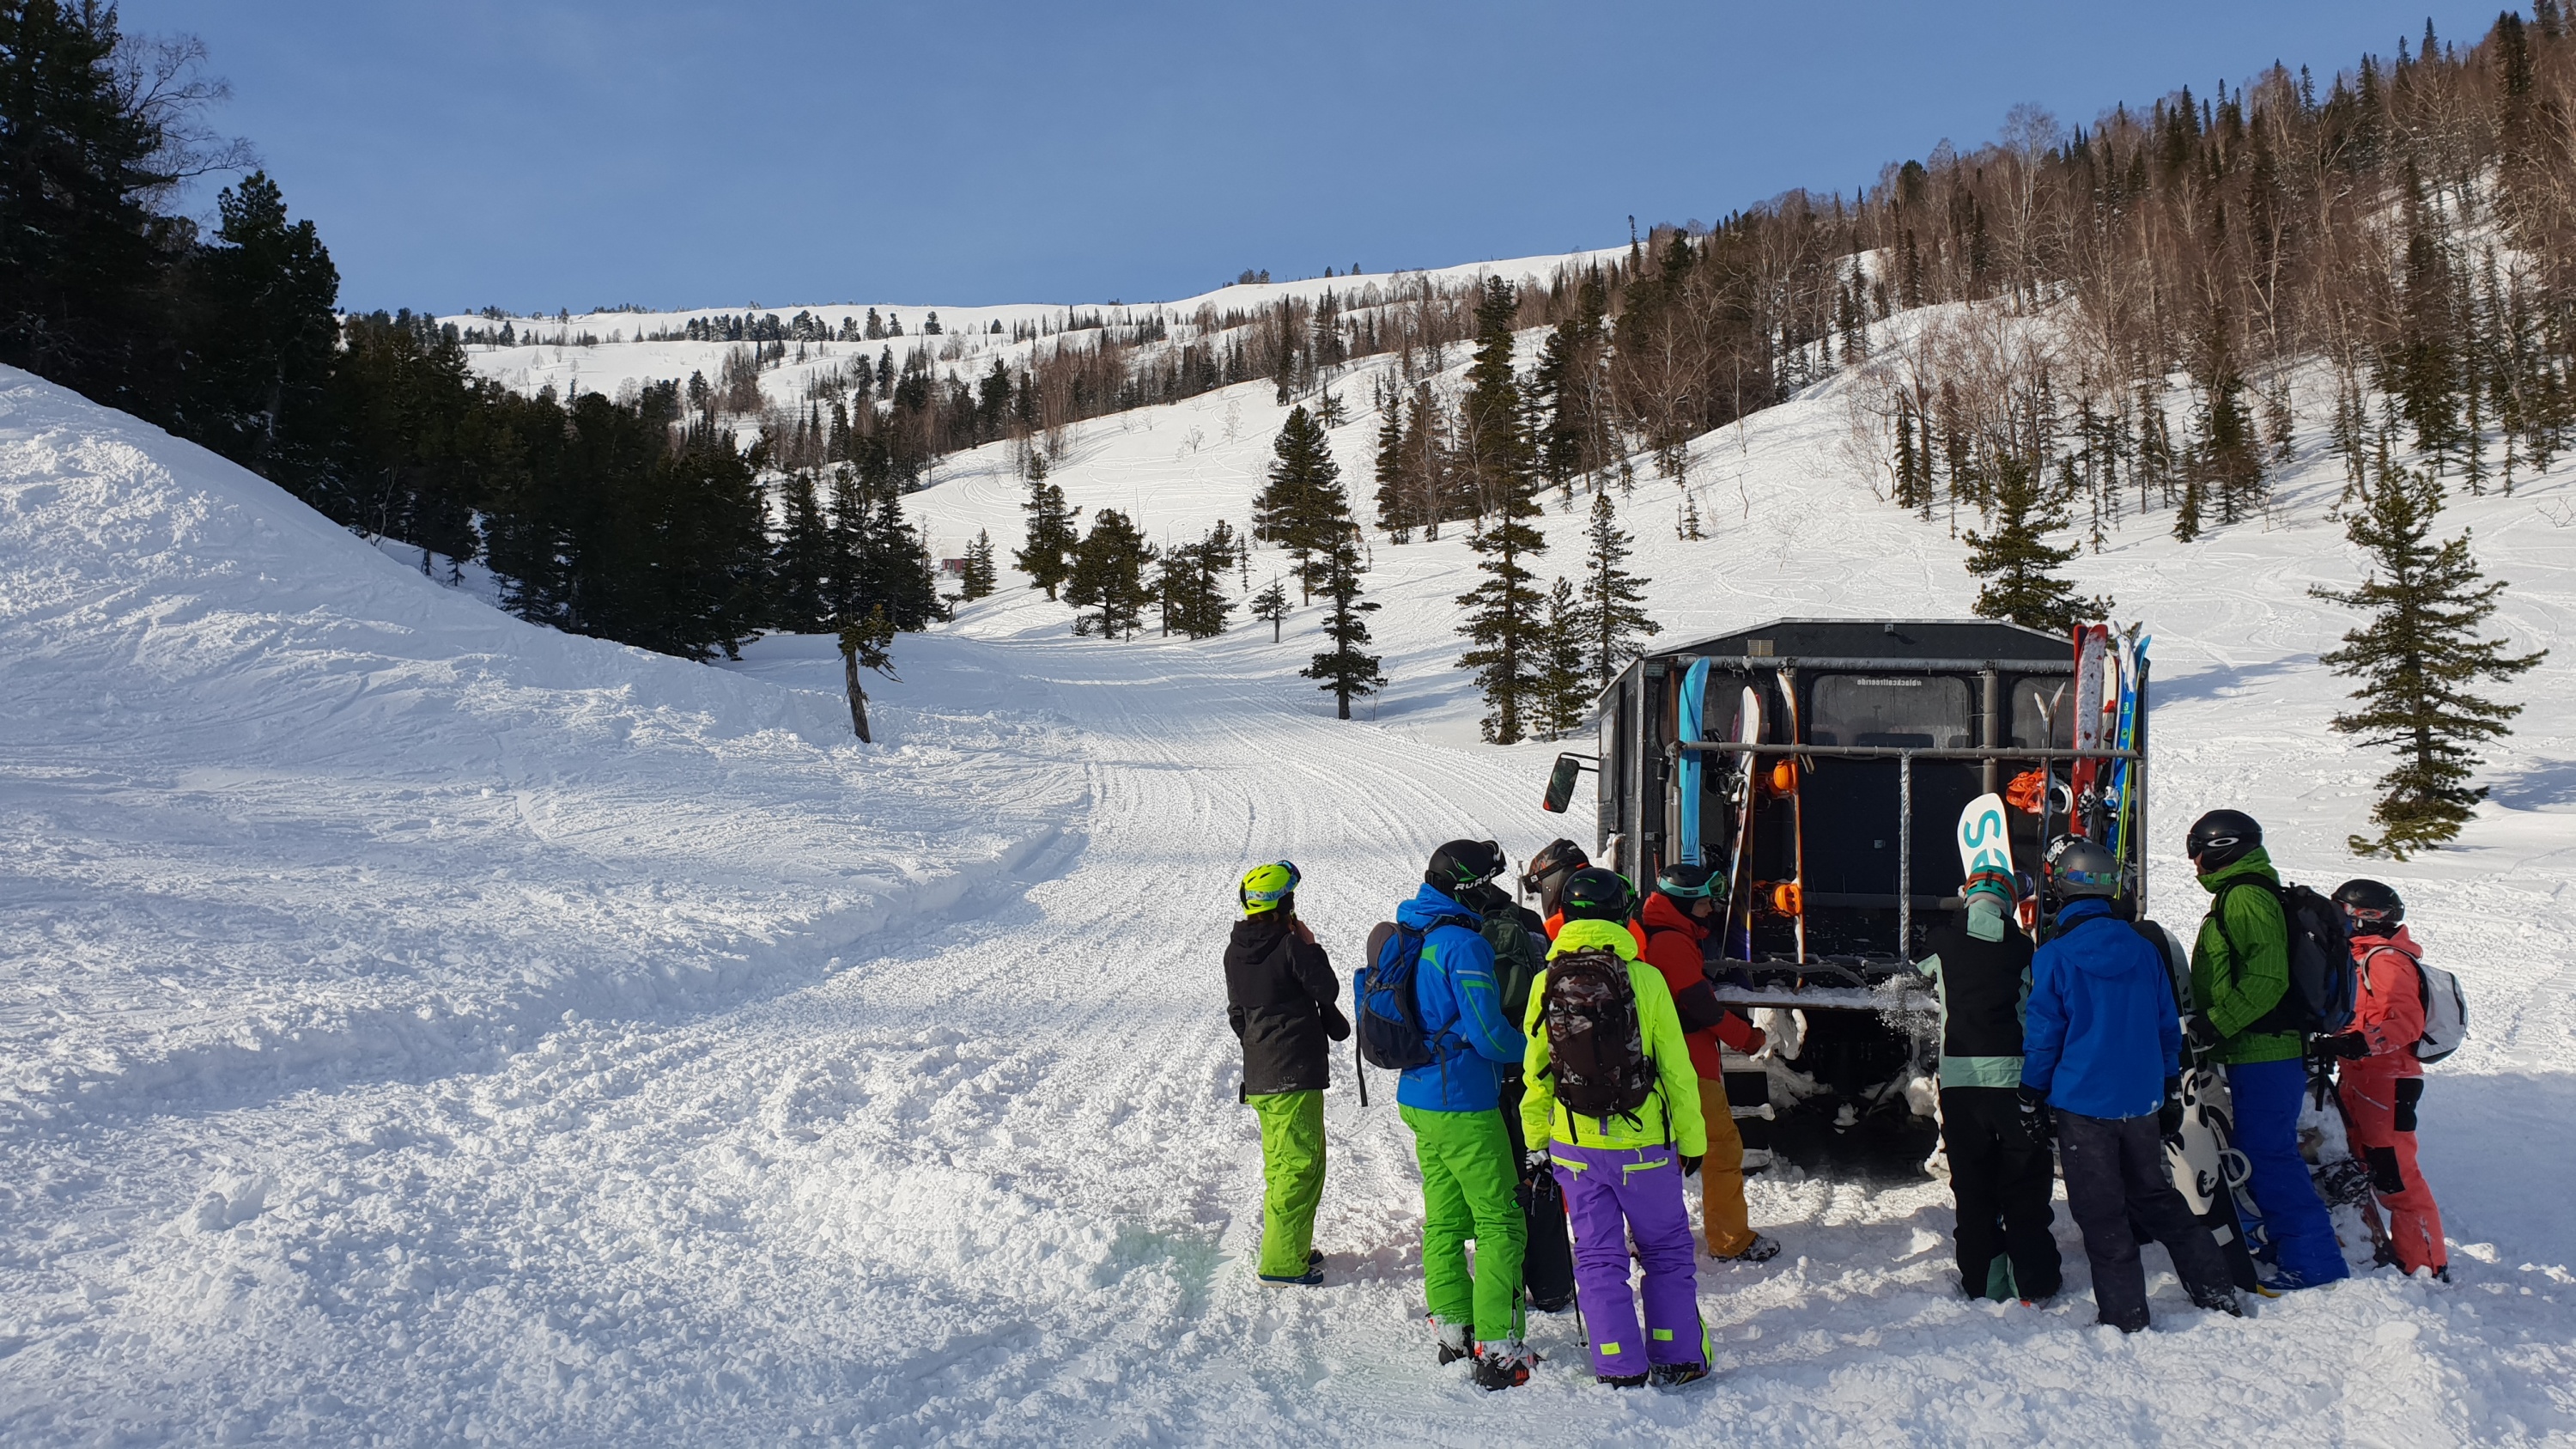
2240	973
1621	1173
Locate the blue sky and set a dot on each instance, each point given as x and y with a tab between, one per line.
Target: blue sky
538	153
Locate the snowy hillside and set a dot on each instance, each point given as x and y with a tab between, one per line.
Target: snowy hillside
422	1028
547	351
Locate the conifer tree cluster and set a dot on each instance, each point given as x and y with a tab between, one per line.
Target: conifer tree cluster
1047	555
1107	577
2417	659
2019	564
981	575
1191	584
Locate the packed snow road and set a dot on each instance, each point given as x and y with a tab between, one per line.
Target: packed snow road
420	1028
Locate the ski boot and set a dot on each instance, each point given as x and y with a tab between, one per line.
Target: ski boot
1620	1381
1761	1250
1674	1375
2223	1301
1454	1341
1313	1277
1504	1365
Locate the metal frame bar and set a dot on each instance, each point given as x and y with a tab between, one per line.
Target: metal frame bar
1968	753
1748	662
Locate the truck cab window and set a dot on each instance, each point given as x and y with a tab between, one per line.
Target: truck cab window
1899	711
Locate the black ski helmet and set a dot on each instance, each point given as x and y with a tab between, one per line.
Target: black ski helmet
1691	882
2076	867
2371	905
1556	859
1462	863
1597	895
2221	838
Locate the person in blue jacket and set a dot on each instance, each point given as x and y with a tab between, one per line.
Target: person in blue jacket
1454	1106
2102	1050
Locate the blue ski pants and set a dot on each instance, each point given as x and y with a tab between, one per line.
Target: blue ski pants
2294	1220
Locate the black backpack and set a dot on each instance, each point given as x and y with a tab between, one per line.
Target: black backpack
2322	989
1518	958
1596	1045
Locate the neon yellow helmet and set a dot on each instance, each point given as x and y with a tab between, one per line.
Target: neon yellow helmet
1265	886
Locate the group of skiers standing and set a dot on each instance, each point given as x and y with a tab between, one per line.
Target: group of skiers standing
1558	1072
1562	1071
2084	1039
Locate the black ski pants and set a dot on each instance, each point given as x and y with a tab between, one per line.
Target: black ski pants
1547	1263
2118	1185
2001	1181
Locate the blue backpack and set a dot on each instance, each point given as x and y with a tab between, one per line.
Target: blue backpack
1391	1035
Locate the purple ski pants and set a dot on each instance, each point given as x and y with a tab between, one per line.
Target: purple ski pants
1611	1196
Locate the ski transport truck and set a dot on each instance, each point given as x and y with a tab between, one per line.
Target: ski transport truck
1826	764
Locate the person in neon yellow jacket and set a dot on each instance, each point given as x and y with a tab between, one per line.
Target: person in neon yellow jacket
1622	1175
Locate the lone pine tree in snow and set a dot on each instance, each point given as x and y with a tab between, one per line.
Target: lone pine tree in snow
2017	561
1300	506
1507	616
865	644
980	576
1271	606
1107	577
1565	687
1047	556
1609	614
2415	660
1344	672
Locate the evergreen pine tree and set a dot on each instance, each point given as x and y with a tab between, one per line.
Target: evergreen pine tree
2017	562
800	566
1108	577
981	576
1493	443
1565	687
1688	529
2416	660
1190	585
1345	672
1047	556
1395	496
1296	509
1609	617
1271	606
1507	613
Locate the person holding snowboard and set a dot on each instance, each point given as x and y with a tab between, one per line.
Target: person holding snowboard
1453	1105
1614	1095
1520	950
1686	906
2000	1177
2380	1081
1281	999
2240	982
2102	1051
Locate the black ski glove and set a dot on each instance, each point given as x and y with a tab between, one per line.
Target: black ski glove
2200	1032
1336	1025
1690	1165
2034	1115
1534	1163
2169	1116
2351	1046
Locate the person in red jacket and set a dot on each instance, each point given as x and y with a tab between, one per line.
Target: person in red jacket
2381	1081
1688	903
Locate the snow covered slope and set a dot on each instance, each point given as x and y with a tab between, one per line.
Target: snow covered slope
712	1079
548	352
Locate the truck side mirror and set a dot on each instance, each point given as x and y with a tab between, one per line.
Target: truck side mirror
1560	783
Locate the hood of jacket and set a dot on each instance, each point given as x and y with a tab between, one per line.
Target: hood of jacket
2397	938
1611	936
2251	865
2108	965
1663	913
1428	906
1254	935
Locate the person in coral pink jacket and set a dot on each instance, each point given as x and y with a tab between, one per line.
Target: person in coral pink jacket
2381	1081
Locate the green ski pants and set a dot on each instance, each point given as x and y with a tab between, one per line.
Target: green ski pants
1292	1169
1468	1182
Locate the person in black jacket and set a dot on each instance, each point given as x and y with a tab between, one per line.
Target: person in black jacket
1281	999
1999	1174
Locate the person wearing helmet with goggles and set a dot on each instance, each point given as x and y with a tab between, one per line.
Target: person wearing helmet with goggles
2102	1050
1685	908
1282	1000
2380	1080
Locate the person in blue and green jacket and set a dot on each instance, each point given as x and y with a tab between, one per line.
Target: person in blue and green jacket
1453	1105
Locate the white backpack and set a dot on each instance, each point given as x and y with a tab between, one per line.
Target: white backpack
2446	1008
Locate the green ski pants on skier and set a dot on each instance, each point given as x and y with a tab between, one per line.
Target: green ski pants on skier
1468	1183
1292	1170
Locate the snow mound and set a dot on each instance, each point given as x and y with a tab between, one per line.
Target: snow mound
284	807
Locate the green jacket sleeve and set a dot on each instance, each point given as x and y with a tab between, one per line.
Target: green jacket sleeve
1670	1050
1538	1086
2249	961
